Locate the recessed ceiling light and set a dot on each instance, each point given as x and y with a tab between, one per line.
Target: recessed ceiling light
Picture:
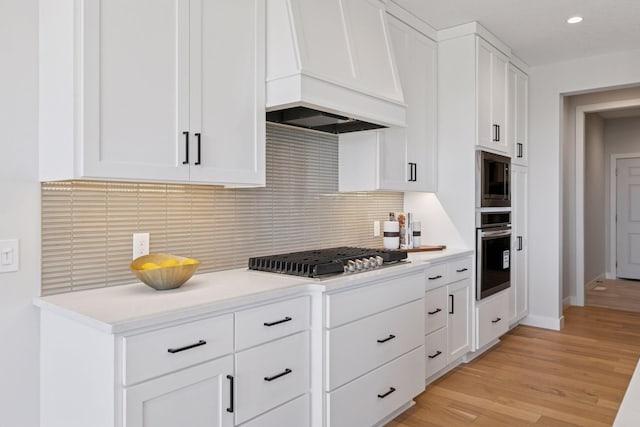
574	19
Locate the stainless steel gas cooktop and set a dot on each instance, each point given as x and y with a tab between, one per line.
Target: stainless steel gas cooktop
325	262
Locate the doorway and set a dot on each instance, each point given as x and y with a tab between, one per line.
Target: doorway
581	112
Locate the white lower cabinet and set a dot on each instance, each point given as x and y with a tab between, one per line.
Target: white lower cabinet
447	314
295	413
195	397
271	374
435	345
458	323
369	399
374	363
492	318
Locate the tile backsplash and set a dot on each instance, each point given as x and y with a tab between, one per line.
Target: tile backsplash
87	226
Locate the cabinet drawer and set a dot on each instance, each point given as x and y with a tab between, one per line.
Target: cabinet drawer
165	350
435	309
435	346
460	269
367	400
271	374
295	413
361	346
270	322
436	276
492	319
357	303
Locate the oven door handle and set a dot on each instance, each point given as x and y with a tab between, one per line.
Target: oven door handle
495	233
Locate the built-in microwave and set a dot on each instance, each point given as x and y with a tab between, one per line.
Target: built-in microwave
493	187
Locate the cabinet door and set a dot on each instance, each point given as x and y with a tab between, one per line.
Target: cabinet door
499	66
491	92
196	397
519	304
511	112
458	328
135	79
227	92
408	156
521	140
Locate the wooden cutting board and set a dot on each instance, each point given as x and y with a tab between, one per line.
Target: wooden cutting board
425	248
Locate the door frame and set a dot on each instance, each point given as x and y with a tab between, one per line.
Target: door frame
581	112
612	270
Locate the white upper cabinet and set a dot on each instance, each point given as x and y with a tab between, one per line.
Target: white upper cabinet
491	69
152	90
399	159
517	116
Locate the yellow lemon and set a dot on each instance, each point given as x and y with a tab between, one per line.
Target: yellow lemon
171	262
149	266
189	261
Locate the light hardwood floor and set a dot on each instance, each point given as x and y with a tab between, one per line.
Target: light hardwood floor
575	377
618	294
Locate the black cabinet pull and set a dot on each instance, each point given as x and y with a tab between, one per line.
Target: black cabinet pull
498	132
519	243
495	133
437	310
198	138
230	408
435	277
438	353
277	322
413	172
189	347
391	390
461	270
186	148
519	152
452	298
389	338
496	321
281	374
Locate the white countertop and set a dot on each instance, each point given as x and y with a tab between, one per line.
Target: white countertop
122	308
629	412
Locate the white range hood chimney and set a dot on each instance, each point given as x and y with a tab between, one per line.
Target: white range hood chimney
330	66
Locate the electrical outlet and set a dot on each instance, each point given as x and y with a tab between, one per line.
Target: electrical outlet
376	228
140	244
9	255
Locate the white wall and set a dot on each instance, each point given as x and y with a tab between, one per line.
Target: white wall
548	84
19	212
595	198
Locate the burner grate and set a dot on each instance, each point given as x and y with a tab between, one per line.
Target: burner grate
319	262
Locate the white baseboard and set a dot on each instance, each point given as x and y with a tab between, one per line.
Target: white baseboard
566	302
592	284
543	322
610	275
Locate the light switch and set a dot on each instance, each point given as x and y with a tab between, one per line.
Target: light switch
9	255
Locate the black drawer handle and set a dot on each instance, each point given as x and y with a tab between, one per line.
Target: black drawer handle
391	390
435	277
452	298
230	408
277	322
438	353
189	347
437	310
461	270
281	374
496	321
389	338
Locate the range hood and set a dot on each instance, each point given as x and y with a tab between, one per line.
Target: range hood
330	66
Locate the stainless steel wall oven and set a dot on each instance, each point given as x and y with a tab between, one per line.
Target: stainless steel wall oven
493	253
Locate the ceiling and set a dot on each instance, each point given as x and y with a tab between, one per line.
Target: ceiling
537	30
620	113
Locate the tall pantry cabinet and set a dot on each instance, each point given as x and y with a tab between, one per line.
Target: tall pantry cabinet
482	101
152	90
